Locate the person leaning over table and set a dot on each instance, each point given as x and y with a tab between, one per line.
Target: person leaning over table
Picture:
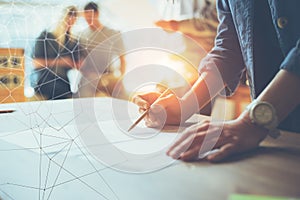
55	53
263	37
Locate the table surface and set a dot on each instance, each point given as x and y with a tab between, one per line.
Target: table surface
272	169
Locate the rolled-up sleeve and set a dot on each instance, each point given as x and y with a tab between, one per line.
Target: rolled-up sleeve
292	62
226	55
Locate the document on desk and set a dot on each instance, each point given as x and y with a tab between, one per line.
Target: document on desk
51	157
57	153
111	145
25	173
141	150
140	140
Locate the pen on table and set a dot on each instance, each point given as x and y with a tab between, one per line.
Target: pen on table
146	111
6	111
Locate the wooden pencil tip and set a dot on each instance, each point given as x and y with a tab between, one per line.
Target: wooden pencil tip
130	128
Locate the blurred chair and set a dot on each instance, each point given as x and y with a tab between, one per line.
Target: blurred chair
11	75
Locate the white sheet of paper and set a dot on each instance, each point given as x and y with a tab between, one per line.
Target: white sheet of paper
142	149
140	140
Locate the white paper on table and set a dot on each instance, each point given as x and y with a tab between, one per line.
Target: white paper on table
140	140
74	76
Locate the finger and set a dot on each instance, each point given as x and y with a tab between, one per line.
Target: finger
197	152
200	142
142	103
157	114
157	123
151	124
223	140
142	110
165	100
189	131
213	139
150	119
223	153
190	155
182	147
194	154
161	104
149	97
153	116
201	126
207	146
156	109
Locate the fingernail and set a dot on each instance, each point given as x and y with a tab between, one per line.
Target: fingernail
156	108
210	158
156	124
170	153
180	156
176	156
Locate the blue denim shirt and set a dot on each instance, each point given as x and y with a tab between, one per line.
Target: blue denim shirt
233	50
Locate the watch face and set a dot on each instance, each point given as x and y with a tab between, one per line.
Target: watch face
263	114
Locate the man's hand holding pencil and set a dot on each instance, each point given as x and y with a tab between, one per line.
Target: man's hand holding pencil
162	108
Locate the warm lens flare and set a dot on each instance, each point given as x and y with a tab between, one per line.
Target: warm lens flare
176	72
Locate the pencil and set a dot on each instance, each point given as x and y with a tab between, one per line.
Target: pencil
147	111
6	111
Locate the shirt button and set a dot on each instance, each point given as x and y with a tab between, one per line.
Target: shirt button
282	22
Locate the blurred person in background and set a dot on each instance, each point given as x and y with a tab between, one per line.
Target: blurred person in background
55	53
104	48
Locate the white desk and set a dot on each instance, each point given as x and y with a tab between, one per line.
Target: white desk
65	169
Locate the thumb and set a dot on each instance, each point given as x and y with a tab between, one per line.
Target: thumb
141	102
149	97
157	108
161	104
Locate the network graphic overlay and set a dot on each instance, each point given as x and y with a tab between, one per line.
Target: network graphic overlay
66	151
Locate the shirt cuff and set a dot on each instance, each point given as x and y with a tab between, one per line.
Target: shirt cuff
292	62
229	81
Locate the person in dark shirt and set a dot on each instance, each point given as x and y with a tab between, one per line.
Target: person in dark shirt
55	53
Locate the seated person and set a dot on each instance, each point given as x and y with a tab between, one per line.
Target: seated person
54	54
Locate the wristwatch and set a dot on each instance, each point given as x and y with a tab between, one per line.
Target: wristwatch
263	114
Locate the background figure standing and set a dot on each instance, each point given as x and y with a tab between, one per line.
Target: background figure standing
55	53
103	47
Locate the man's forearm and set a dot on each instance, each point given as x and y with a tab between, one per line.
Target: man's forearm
204	89
283	93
